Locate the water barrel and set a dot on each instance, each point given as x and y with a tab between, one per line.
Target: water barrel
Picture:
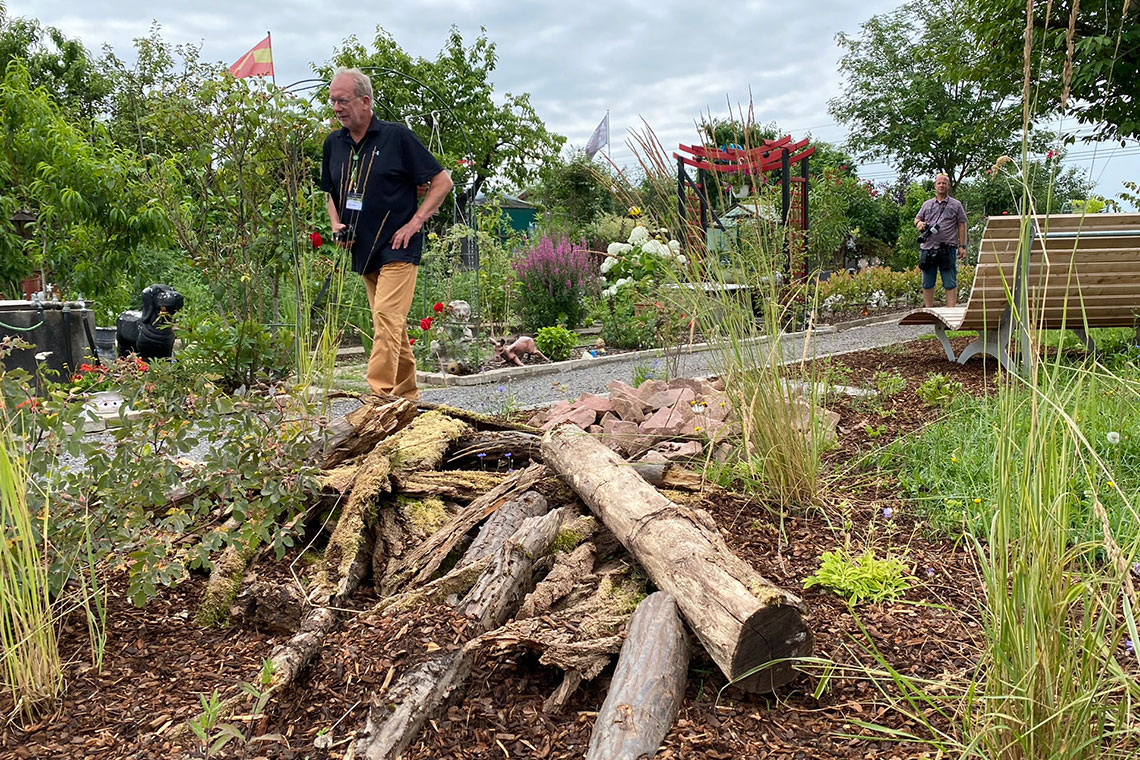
58	327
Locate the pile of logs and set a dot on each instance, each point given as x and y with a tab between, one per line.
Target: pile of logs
538	555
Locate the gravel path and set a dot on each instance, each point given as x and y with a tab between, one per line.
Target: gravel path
540	390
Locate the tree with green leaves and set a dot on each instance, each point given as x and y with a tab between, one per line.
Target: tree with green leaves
451	104
577	190
914	93
62	66
87	195
1100	84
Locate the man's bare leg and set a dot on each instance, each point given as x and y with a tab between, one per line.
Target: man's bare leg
951	297
928	297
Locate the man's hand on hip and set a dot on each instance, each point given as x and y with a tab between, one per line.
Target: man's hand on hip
405	234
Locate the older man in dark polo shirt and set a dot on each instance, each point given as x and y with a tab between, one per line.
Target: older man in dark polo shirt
940	252
370	170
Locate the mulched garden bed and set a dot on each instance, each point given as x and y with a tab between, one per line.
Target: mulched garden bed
158	661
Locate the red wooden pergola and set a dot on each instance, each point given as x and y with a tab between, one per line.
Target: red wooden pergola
769	156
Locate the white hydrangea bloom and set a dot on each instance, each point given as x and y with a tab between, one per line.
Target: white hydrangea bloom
621	282
655	248
638	236
681	258
608	264
617	249
674	246
833	303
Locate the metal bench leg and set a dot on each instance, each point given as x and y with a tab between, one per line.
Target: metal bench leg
940	331
992	343
1084	337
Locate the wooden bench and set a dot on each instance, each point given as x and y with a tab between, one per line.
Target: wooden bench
1076	272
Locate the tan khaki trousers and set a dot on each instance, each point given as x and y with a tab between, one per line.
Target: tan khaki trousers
391	367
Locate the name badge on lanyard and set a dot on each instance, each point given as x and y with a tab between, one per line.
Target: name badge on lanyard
354	201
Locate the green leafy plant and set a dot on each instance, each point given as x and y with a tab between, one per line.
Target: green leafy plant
864	578
233	353
556	342
641	373
939	390
553	276
889	383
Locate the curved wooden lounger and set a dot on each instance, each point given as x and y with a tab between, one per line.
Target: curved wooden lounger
1083	271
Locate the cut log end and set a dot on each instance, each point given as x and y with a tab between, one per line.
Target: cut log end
770	635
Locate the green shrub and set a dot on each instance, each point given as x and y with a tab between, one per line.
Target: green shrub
623	326
233	353
861	579
556	342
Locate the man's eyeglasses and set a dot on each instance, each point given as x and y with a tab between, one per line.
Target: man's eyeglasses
334	102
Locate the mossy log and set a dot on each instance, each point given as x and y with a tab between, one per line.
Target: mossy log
458	485
648	684
360	430
420	564
481	421
225	581
417	694
744	621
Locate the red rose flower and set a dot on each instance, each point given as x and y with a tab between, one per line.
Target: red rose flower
316	239
438	307
425	324
1049	154
411	341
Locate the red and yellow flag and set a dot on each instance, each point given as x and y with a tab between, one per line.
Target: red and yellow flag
258	62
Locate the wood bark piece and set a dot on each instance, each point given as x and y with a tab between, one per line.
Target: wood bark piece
569	572
361	429
499	526
420	564
668	475
273	607
225	579
392	726
648	684
742	619
502	586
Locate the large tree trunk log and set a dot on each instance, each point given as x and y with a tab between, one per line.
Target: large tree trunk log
390	728
501	525
360	430
648	684
742	620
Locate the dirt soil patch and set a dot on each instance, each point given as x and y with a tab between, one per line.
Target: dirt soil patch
159	662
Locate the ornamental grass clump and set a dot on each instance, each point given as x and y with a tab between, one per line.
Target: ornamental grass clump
553	277
32	670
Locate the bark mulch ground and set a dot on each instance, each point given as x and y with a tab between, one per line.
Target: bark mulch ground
159	662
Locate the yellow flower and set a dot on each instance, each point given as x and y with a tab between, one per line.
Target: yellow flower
953	458
977	501
634	211
1111	484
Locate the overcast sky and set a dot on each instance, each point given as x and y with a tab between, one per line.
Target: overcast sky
663	61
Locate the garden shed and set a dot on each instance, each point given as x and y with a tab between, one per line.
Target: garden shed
518	212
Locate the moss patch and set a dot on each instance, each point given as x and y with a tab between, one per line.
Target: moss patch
423	516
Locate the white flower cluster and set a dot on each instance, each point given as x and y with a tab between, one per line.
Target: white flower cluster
834	302
612	290
642	244
638	236
879	298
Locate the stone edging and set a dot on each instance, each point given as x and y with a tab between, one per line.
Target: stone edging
438	379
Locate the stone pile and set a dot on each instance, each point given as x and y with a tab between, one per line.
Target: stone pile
659	421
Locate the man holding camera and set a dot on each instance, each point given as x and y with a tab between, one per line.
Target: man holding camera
941	225
371	170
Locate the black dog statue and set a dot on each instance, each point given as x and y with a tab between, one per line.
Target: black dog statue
150	333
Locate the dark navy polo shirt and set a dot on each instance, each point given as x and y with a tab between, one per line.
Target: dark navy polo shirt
384	168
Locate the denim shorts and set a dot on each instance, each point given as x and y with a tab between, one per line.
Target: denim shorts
949	274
